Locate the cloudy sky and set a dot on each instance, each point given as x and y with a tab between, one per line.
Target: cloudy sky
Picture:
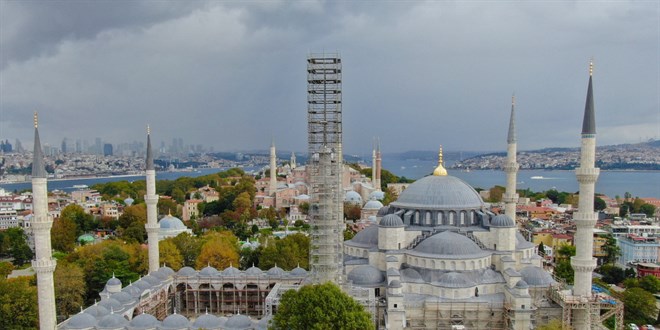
417	74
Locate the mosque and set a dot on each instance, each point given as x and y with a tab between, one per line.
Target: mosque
436	258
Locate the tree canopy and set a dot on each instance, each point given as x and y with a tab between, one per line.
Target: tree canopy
320	306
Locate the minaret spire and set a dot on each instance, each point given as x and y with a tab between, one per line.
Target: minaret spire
511	169
273	169
151	199
378	167
43	264
585	218
440	170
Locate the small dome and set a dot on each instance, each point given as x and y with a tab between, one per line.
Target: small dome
377	195
186	271
97	311
208	322
391	221
455	280
231	271
393	272
502	221
353	197
302	197
111	305
159	274
449	243
535	276
383	211
81	321
170	222
298	272
366	275
253	271
143	285
276	271
522	285
395	284
86	238
238	322
411	275
166	270
113	281
144	321
133	290
112	321
208	271
367	236
129	201
153	280
123	297
372	205
175	321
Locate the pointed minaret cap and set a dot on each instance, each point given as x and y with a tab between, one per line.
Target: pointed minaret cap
589	121
38	167
440	170
511	137
150	155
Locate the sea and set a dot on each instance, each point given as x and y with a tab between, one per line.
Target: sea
610	183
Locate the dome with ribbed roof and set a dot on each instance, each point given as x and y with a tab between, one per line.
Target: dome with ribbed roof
186	271
298	272
353	197
81	321
144	321
367	237
276	271
208	322
372	205
448	243
143	285
123	297
231	271
112	321
366	275
254	271
171	222
111	305
391	221
502	221
522	285
113	281
439	192
238	322
97	311
175	321
208	271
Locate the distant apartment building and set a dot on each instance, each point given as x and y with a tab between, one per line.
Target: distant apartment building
190	209
8	218
636	249
623	230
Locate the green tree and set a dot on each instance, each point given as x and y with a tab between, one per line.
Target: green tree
320	306
541	249
189	246
650	283
84	222
599	204
169	254
612	249
564	270
647	209
287	253
640	306
132	214
18	304
390	196
552	325
5	269
15	246
63	234
167	206
69	288
612	274
496	194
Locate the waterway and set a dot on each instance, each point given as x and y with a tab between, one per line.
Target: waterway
610	183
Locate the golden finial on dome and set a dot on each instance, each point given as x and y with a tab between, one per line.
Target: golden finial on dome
440	170
36	120
591	66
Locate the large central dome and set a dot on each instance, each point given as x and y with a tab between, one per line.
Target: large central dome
439	192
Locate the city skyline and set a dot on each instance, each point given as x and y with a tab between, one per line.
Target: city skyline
228	75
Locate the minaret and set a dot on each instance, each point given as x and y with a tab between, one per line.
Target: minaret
151	199
373	164
293	160
273	170
585	218
440	170
378	166
511	167
43	264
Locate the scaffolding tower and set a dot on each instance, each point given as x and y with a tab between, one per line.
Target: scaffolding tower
325	166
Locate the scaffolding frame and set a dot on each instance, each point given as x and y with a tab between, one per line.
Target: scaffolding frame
324	124
598	307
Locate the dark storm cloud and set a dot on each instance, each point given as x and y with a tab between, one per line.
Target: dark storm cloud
417	74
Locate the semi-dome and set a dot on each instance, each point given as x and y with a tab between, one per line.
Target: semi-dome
123	297
144	321
391	221
411	275
502	221
377	195
171	222
238	322
439	192
186	271
366	275
449	244
366	237
535	276
207	321
521	285
383	211
372	205
112	321
175	321
455	280
81	321
353	197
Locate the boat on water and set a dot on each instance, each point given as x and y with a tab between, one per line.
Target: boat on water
537	177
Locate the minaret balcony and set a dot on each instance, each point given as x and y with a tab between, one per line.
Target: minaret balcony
41	225
151	199
587	175
583	266
511	167
44	265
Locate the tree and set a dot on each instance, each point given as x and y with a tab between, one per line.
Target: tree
352	211
563	268
15	246
63	234
640	306
5	269
612	274
169	254
167	206
599	204
612	249
189	246
650	283
220	250
390	196
69	288
18	304
287	253
320	306
133	214
647	209
84	222
541	249
496	194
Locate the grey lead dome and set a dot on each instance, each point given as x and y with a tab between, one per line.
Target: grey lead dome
502	221
440	192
